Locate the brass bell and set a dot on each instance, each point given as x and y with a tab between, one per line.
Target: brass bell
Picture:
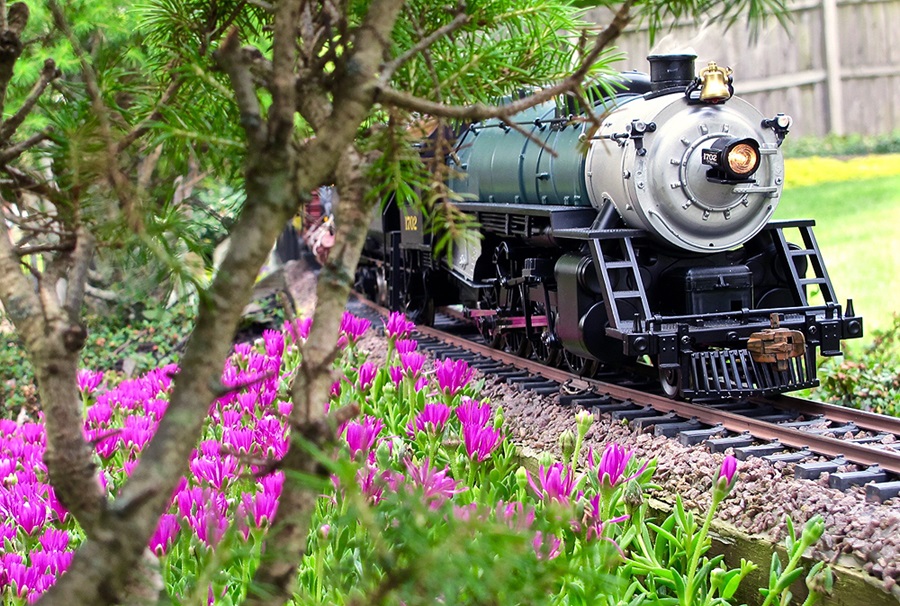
714	88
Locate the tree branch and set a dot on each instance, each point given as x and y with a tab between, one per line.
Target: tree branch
16	291
14	151
286	541
48	74
144	125
459	21
81	261
233	62
355	91
14	23
284	63
479	111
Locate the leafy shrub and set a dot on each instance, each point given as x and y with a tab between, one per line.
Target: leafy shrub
134	341
869	380
842	145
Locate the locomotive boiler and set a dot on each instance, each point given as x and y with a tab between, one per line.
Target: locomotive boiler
643	236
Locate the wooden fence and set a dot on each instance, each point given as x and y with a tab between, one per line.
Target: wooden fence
834	69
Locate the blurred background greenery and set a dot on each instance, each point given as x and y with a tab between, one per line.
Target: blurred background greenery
855	202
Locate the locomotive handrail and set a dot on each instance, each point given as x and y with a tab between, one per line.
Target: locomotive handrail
748	313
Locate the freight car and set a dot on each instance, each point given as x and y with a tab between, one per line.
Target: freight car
643	236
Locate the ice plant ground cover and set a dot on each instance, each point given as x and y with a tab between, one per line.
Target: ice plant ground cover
426	501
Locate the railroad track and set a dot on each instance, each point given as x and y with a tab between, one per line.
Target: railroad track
854	447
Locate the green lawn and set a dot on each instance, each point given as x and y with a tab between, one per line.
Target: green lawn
858	230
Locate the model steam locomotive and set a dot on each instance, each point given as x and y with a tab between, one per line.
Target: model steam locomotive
645	239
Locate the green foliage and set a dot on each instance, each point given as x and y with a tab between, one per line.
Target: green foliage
17	387
137	340
868	380
173	257
141	339
661	13
819	580
856	229
842	145
507	45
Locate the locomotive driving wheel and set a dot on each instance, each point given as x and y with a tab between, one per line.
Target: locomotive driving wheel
579	365
543	344
487	325
516	343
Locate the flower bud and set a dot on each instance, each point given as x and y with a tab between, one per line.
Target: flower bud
725	478
813	530
580	506
383	454
498	418
462	461
522	478
717	578
567	444
634	495
399	448
324	529
545	459
583	421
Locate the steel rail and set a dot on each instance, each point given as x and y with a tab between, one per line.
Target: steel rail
863	419
790	437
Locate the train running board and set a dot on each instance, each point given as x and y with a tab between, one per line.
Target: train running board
731	373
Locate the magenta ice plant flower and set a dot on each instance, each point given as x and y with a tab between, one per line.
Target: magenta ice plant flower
405	346
354	327
31	512
472	412
242	350
728	468
261	507
165	534
274	343
593	519
612	465
480	442
89	380
54	539
298	329
515	515
397	326
412	363
437	486
361	435
725	478
555	483
367	372
396	373
452	375
432	418
546	546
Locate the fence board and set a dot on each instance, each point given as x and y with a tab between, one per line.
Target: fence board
836	71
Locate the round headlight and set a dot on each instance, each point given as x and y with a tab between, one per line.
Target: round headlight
743	159
732	160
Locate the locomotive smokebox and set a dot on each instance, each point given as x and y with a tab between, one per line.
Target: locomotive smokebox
670	71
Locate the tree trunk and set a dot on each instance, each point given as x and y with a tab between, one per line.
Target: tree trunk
286	542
